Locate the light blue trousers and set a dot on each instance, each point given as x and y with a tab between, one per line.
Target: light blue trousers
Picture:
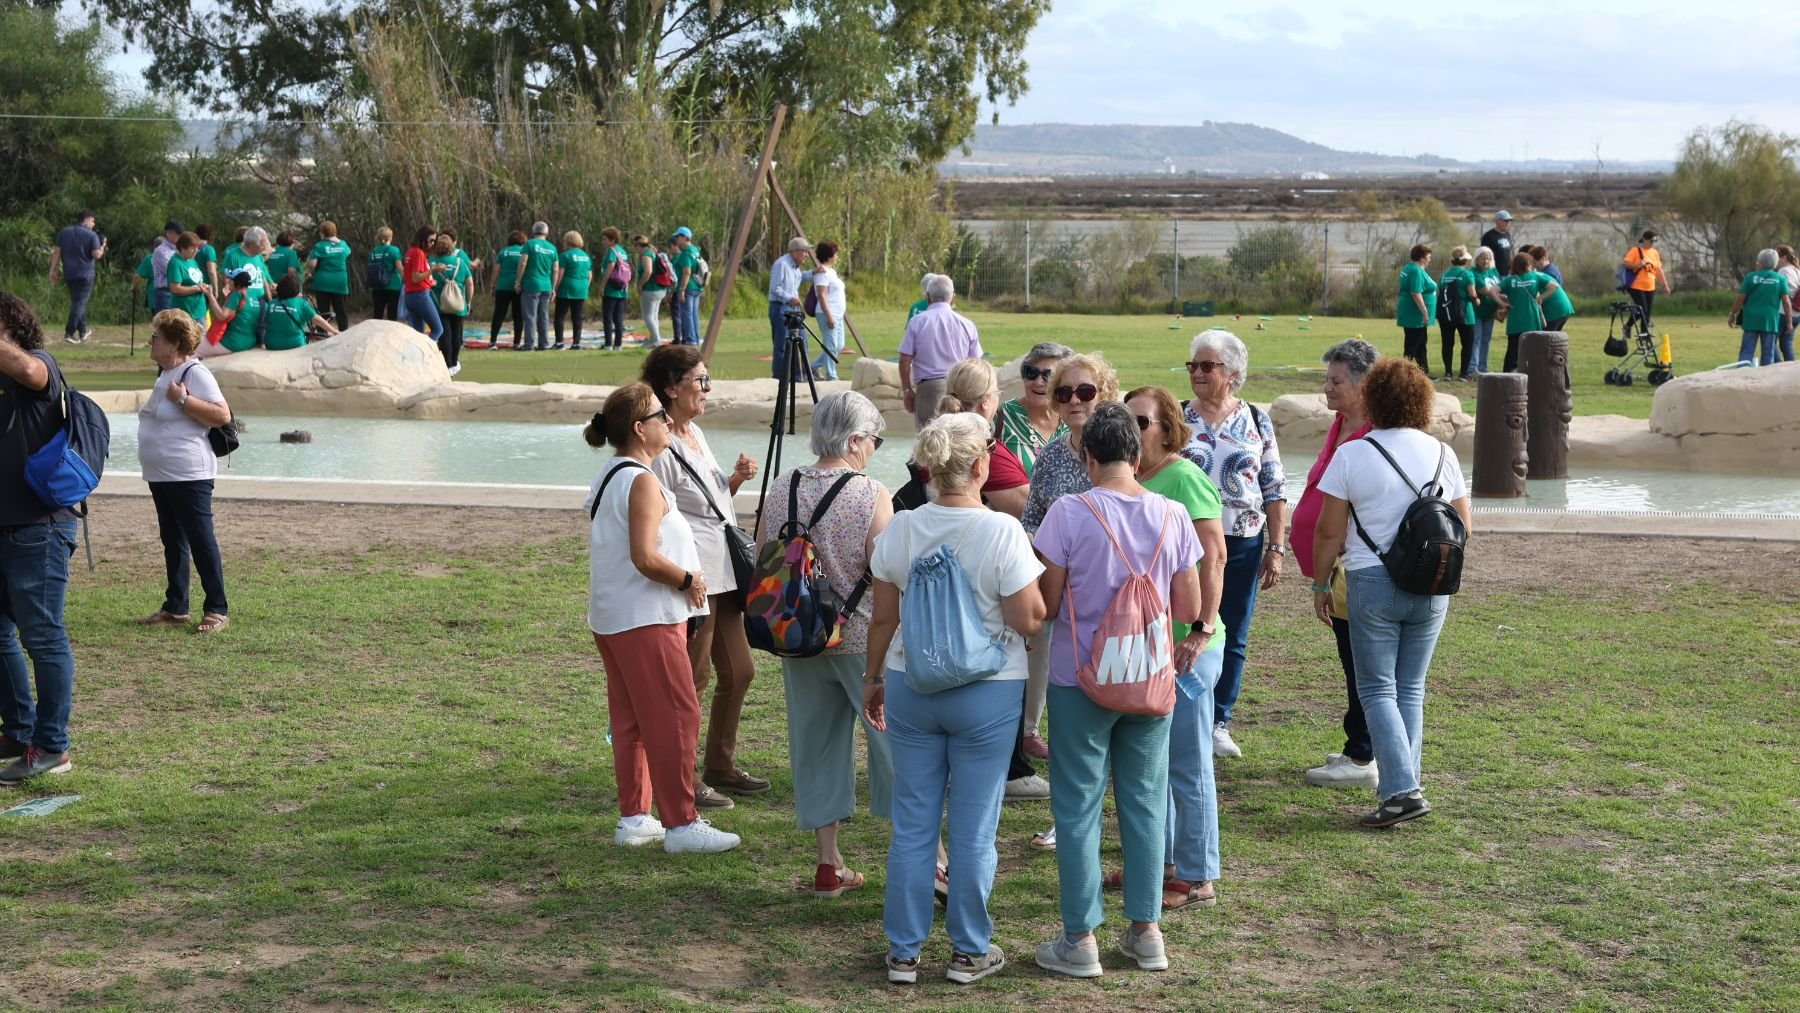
1392	635
1193	834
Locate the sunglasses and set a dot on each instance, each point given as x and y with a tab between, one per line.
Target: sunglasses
1086	392
660	413
1204	366
703	382
1144	423
1032	374
878	441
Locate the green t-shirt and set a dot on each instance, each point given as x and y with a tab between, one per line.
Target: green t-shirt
186	271
1558	305
577	273
1762	301
146	270
332	273
1458	279
458	274
613	256
240	333
540	266
1488	306
287	323
1406	310
234	257
205	256
281	260
647	271
688	260
917	308
1521	291
1182	481
508	261
388	254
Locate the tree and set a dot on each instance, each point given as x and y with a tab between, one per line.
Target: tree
1735	190
902	72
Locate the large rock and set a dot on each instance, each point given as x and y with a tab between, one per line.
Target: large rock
1737	419
1302	420
371	366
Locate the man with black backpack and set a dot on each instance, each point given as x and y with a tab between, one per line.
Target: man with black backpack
36	542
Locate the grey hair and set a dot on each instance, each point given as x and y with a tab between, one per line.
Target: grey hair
540	228
1482	250
256	234
838	417
939	288
1111	434
1232	351
1047	351
1767	259
925	283
1356	355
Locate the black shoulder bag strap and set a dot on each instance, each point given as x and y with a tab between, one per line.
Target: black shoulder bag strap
705	489
594	511
818	514
1370	542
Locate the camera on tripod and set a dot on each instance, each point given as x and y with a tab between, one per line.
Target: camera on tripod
793	318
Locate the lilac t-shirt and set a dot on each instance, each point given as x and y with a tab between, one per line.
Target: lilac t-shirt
1072	538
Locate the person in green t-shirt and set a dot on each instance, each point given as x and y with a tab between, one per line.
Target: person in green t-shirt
248	252
1412	310
505	283
651	291
574	275
1558	308
187	281
1457	299
290	317
328	267
208	257
536	280
284	259
1522	293
384	279
241	310
1762	301
1193	865
688	286
925	303
614	272
146	277
1487	283
449	269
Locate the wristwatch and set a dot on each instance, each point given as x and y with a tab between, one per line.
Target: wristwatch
183	402
1206	629
1279	550
687	580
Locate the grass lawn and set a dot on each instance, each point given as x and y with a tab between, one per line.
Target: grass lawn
1147	350
386	787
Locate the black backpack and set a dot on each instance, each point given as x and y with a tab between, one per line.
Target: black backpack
1427	554
1450	303
378	274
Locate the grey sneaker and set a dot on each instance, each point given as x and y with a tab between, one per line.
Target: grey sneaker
902	972
1064	957
1398	809
35	762
1148	952
967	967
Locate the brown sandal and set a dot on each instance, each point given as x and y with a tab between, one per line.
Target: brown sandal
1204	895
212	622
163	617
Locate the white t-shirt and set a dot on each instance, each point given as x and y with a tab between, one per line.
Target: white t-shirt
995	555
831	291
1359	475
171	446
619	597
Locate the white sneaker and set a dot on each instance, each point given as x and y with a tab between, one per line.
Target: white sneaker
1026	788
1223	747
646	831
1341	771
456	369
698	837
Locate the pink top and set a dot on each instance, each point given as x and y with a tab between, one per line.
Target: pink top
1306	514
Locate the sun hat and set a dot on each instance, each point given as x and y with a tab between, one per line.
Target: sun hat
799	243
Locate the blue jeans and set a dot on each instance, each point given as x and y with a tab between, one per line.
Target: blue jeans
80	290
34	582
537	319
184	519
778	335
1243	568
1759	341
1785	340
826	366
953	743
422	309
1393	634
1484	336
689	308
1192	843
160	300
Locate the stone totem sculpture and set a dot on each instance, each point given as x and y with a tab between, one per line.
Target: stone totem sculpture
1500	465
1544	359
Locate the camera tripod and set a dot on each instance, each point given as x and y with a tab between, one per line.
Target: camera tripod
787	392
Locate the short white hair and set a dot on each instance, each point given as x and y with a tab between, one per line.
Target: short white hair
540	228
1231	352
925	283
1767	259
838	417
1482	251
939	288
256	234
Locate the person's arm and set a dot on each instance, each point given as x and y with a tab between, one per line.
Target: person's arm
179	288
1184	598
742	472
1634	259
312	267
1328	544
884	620
1463	510
22	366
1664	275
519	275
556	276
55	262
1024	611
494	275
647	508
906	384
1419	301
681	283
1211	532
1550	289
207	413
1274	533
1051	587
1009	501
1737	306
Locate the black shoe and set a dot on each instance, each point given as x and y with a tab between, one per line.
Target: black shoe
1398	809
10	750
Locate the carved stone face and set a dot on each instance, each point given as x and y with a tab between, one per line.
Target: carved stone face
1515	421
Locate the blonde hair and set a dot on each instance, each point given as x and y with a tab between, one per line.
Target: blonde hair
573	238
966	384
948	448
384	235
1460	255
178	329
1105	377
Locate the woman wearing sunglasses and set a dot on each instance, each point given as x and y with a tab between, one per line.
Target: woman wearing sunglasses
1234	443
703	492
644	583
973	386
1028	423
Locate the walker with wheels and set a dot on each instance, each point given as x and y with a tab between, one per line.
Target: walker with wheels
1628	337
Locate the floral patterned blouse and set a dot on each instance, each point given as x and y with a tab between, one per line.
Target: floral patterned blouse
1243	461
1014	429
841	536
1059	473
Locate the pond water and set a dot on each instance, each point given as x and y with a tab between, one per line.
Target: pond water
535	454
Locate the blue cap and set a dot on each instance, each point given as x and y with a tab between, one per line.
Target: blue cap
237	273
683	233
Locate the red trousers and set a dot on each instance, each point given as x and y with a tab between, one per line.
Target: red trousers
655	717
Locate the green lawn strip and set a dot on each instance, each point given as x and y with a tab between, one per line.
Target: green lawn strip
1284	358
387	785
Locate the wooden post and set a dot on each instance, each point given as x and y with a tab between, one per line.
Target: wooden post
794	220
1550	399
1500	463
723	298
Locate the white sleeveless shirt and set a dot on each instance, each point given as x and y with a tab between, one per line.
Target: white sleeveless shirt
619	597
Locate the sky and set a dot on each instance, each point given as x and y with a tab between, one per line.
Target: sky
1515	79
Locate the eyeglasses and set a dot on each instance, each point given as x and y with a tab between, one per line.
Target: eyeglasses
660	413
991	444
702	381
1144	423
1032	374
876	440
1086	392
1204	366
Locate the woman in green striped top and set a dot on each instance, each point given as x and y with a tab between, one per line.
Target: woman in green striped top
1029	422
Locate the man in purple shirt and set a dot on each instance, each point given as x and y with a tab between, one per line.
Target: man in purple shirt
159	266
76	249
935	340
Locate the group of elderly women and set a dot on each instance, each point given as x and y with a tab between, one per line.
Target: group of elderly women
1038	512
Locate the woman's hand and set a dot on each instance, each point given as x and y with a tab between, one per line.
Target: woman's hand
1188	650
696	592
1271	569
1322	606
875	705
176	392
745	469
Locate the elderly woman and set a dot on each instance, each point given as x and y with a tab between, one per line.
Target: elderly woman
1345	366
1234	443
1523	293
177	461
1486	278
1077	384
383	276
328	267
1558	307
1644	261
644	584
1458	316
1763	301
1789	270
1413	309
1191	852
1092	543
951	744
824	693
250	251
451	269
573	276
291	317
972	385
1392	632
1027	424
703	492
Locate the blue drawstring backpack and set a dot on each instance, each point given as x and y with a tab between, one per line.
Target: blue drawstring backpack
941	627
63	471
